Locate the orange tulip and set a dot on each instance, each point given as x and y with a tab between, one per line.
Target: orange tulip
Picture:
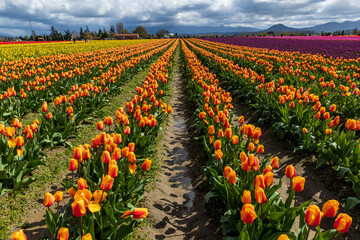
127	130
20	235
343	223
241	119
73	164
283	237
97	196
117	138
58	196
235	139
71	191
268	179
125	152
298	184
267	169
48	199
113	169
132	158
116	154
63	234
19	141
82	184
79	208
146	164
332	108
140	213
106	183
78	153
290	171
259	181
211	130
86	237
202	115
132	168
260	195
313	216
126	214
228	133
49	115
251	147
328	131
243	157
217	144
44	107
248	213
131	147
105	157
108	120
260	149
246	198
274	162
330	208
100	125
218	154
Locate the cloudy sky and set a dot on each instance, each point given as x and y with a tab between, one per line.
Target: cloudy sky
15	15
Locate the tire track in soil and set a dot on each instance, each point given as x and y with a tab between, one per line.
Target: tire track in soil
176	204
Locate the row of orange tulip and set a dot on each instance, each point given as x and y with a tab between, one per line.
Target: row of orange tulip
236	175
309	117
113	156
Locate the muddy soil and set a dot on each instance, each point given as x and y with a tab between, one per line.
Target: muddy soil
176	204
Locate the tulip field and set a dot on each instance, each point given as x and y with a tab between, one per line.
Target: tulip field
50	91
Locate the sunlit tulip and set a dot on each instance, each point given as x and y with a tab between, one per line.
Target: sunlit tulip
298	183
260	149
44	107
125	152
108	120
71	191
328	131
202	115
241	119
58	196
78	208
267	169
283	237
127	130
49	115
132	168
313	216
260	195
126	214
217	144
73	164
131	147
248	213
82	184
235	140
117	138
218	154
228	132
63	234
106	183
140	213
305	130
146	164
332	108
343	223
259	181
246	197
19	235
211	130
87	237
268	179
290	171
98	194
251	147
100	125
48	199
113	169
330	208
78	153
243	157
105	157
132	158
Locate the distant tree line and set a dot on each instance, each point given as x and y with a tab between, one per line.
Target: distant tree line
86	34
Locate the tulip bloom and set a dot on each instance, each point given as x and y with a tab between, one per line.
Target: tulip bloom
79	208
63	234
290	171
146	164
330	208
298	184
106	183
218	154
58	196
82	184
108	120
251	147
268	179
100	125
217	144
202	115
343	223
283	237
113	169
274	162
248	213
211	130
125	152
48	199
267	169
97	196
127	130
313	216
49	115
131	147
105	157
246	198
86	237
241	119
260	149
260	195
235	140
259	181
20	235
132	158
71	191
44	107
140	213
73	164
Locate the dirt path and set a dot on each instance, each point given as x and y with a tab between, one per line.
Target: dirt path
176	204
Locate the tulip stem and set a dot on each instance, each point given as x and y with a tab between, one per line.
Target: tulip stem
81	227
307	235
